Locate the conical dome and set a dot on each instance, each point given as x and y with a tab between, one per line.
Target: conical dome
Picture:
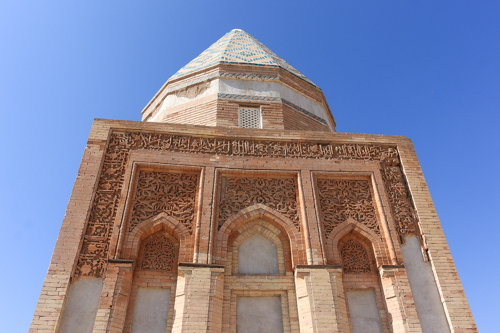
238	47
239	82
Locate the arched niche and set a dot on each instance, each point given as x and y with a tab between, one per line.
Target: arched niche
257	255
374	245
158	251
289	236
171	227
363	292
258	247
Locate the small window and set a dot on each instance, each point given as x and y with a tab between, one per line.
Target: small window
249	117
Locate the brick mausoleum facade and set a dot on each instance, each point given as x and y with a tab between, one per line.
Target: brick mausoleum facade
235	206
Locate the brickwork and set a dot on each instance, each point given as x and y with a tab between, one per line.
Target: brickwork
199	112
294	120
208	244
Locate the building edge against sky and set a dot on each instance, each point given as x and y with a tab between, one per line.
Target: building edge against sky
235	194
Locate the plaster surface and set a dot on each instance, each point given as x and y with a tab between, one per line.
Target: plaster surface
257	255
245	87
364	312
81	306
259	315
424	289
151	310
271	89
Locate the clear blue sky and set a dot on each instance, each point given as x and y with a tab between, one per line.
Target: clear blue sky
429	70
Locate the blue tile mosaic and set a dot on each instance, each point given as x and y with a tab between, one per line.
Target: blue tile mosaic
238	47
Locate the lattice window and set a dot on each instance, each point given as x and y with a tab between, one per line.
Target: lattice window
354	258
249	117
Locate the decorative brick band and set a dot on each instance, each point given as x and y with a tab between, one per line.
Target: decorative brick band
307	113
238	97
226	75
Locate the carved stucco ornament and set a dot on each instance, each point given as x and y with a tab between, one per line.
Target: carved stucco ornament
158	254
354	257
279	194
171	193
94	252
341	200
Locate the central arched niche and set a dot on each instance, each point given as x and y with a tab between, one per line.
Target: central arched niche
257	255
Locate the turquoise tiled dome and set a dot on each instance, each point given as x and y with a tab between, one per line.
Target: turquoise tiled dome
238	47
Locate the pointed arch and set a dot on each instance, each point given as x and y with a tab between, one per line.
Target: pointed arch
266	230
382	254
229	230
160	222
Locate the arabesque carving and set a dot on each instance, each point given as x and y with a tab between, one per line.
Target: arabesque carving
354	257
402	209
277	193
343	199
94	252
159	253
171	193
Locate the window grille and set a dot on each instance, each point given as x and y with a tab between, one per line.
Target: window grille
249	117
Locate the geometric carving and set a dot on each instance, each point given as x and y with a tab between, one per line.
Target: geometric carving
171	193
354	258
402	209
343	199
159	253
277	193
94	252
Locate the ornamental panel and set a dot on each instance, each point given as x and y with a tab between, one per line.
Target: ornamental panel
92	258
158	253
277	193
170	193
341	200
354	257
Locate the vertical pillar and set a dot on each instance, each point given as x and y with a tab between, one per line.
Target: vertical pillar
312	231
198	299
400	304
114	297
320	299
206	198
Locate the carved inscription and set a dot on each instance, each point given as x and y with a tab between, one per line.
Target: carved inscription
193	91
354	257
344	199
94	251
367	152
402	209
159	253
171	193
277	193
